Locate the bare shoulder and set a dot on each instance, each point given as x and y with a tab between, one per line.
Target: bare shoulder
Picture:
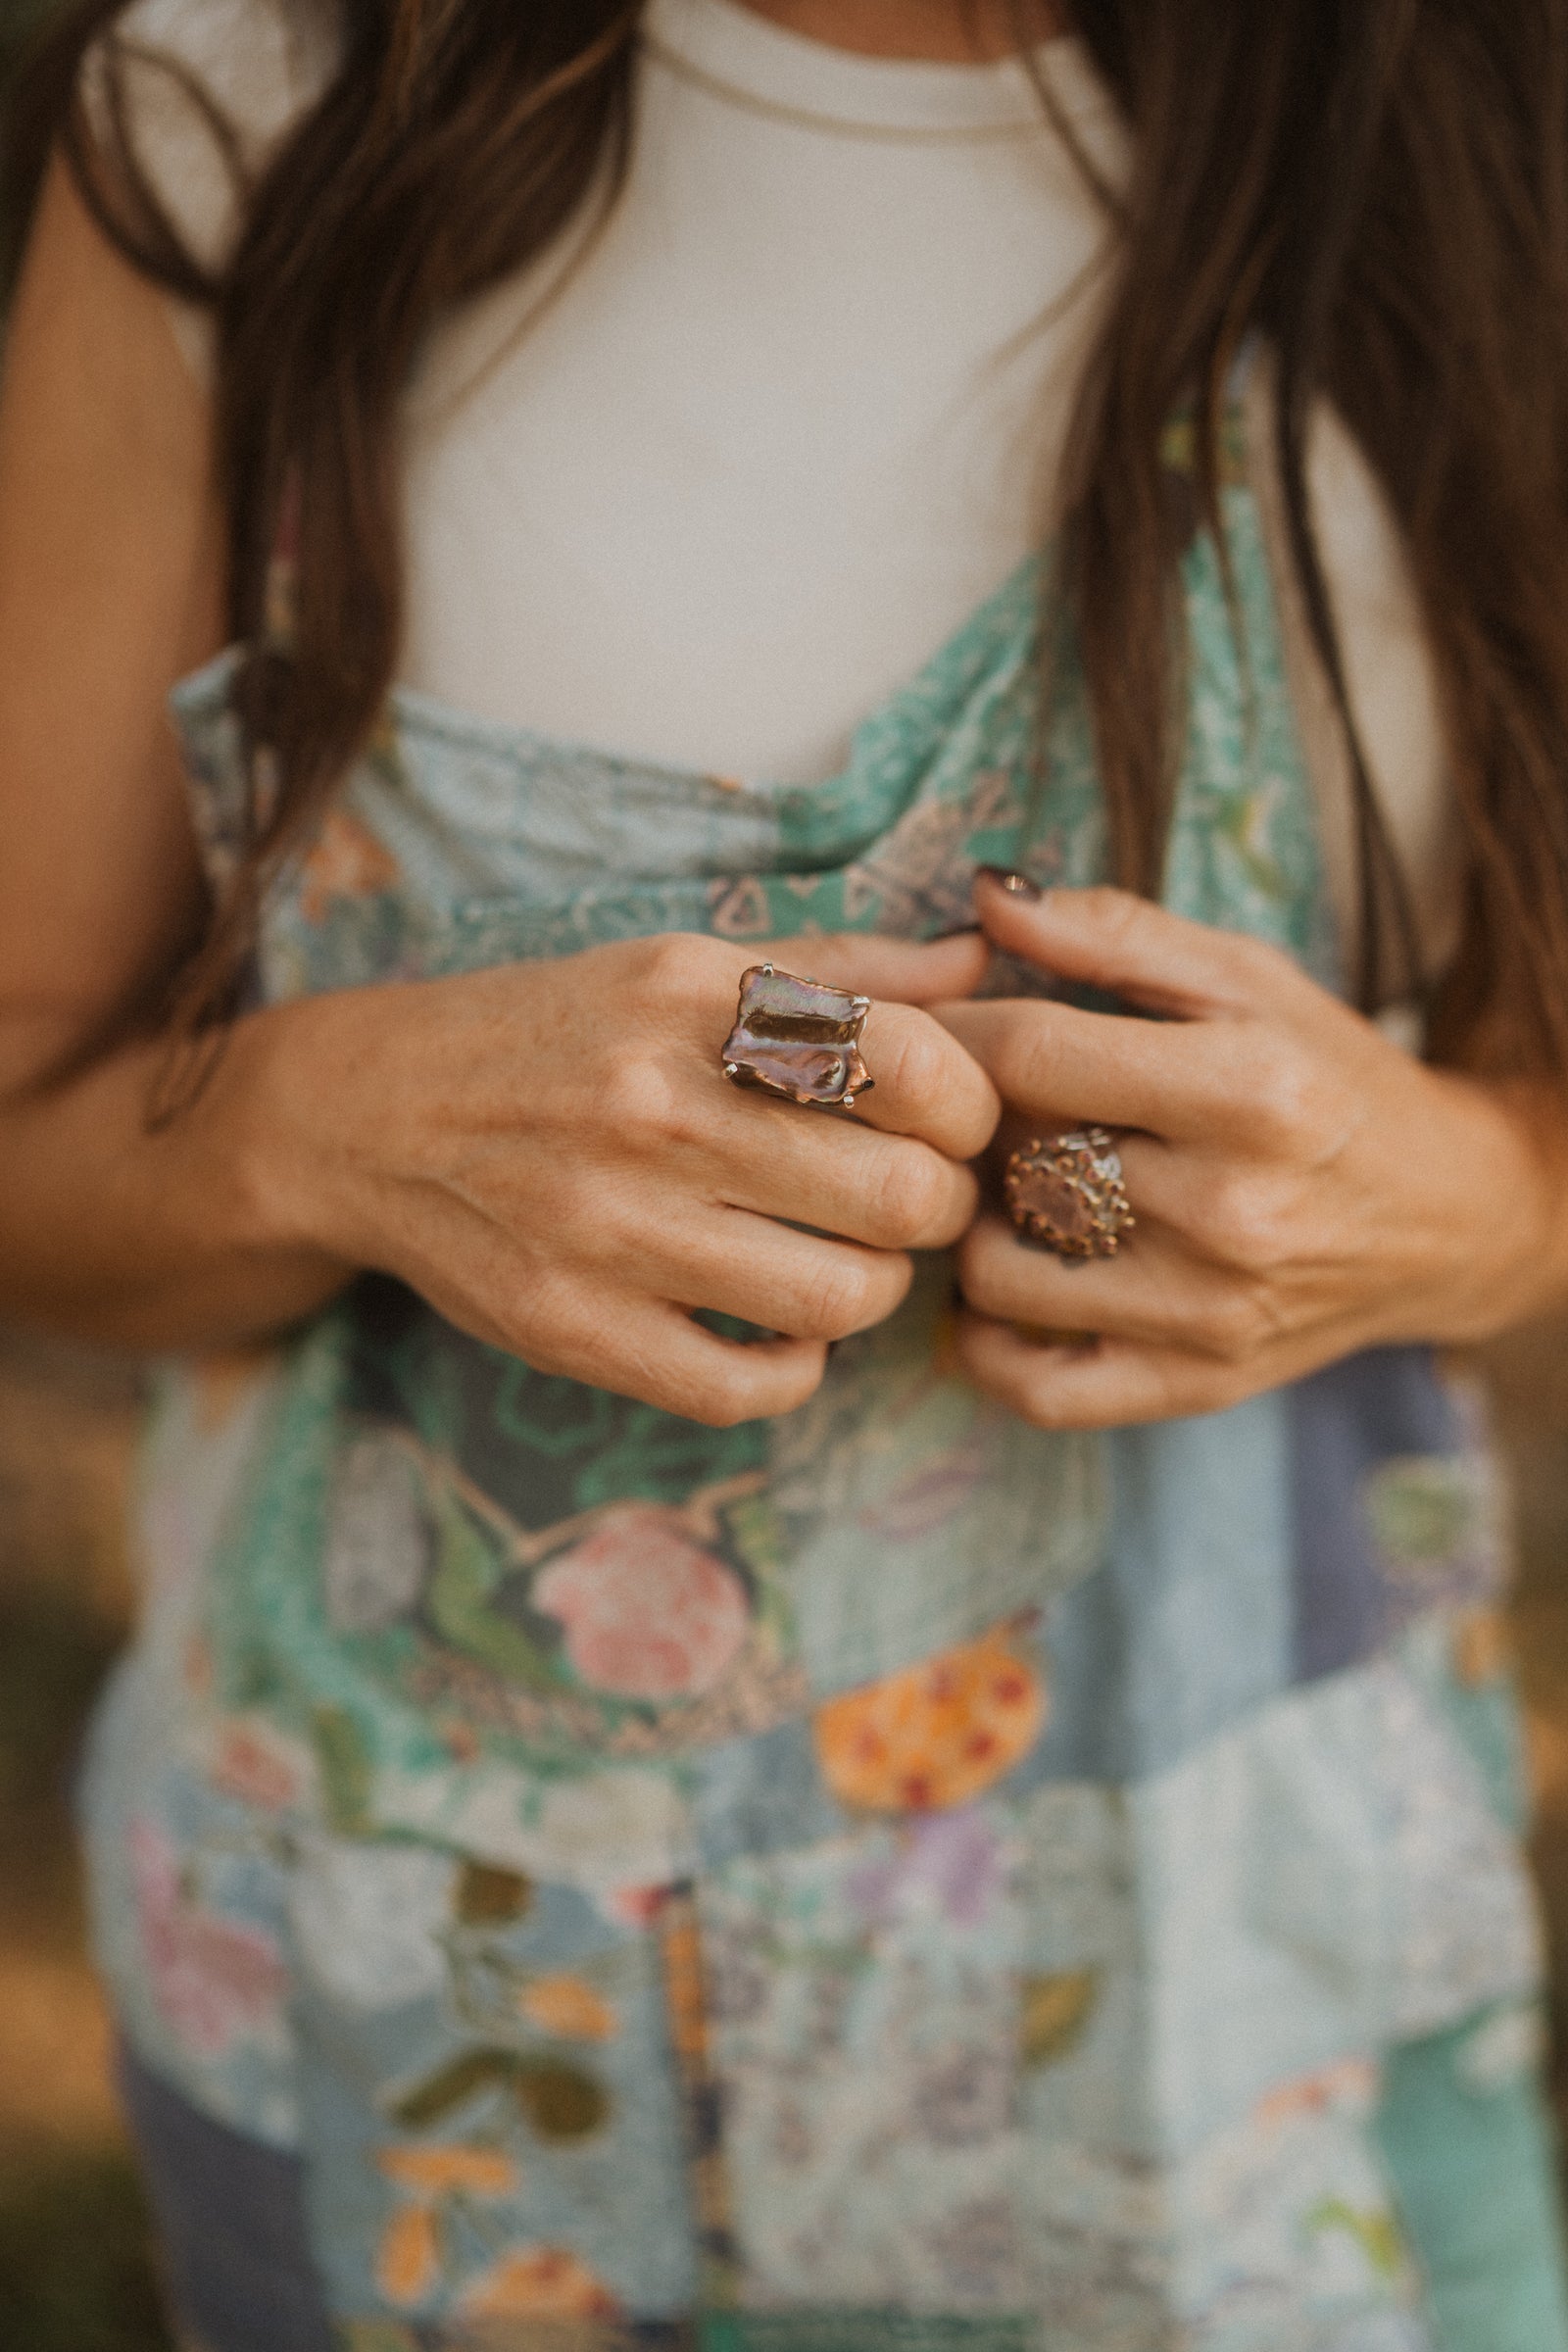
111	587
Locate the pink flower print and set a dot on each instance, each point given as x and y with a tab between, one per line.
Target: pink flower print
634	1906
214	1979
648	1613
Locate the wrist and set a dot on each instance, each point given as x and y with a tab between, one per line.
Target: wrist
284	1090
1510	1167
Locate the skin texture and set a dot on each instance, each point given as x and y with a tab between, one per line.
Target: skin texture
937	29
570	1202
1302	1187
549	1152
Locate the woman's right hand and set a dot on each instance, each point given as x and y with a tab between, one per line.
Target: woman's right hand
550	1153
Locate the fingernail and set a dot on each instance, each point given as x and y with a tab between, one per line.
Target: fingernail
1016	885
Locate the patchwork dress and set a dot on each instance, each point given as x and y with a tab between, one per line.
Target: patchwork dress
885	1876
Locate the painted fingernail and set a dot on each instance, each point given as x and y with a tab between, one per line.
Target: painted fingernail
1016	885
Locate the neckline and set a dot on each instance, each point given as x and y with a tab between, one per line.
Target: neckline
733	55
1007	614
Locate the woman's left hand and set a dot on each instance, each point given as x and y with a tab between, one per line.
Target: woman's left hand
1302	1187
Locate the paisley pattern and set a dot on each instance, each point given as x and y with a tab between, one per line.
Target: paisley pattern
883	1878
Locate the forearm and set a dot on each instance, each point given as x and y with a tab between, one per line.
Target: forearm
157	1236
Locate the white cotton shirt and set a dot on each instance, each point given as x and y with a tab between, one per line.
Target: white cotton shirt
709	487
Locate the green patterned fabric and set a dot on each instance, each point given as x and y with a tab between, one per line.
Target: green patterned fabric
883	1877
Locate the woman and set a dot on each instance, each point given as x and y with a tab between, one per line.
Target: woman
700	1770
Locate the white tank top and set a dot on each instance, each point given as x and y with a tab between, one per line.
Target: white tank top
791	417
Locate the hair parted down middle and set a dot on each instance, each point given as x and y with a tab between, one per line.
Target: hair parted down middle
1377	189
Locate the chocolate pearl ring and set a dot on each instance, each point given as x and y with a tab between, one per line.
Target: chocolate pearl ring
798	1038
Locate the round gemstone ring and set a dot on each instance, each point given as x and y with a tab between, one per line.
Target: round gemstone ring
1066	1194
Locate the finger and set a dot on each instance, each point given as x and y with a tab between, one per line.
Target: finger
1112	940
1064	1067
803	1285
923	1084
653	1351
1150	1292
926	1083
633	1345
903	971
1108	1384
890	1192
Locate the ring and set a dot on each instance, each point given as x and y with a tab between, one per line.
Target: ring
798	1038
1066	1194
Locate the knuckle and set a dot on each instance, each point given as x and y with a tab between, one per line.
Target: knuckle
913	1196
1280	1092
1116	913
757	1384
719	1404
678	962
840	1299
1243	1224
1018	1065
640	1102
954	1210
1234	1326
1042	1403
921	1060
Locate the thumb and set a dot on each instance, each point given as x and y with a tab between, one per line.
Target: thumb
902	971
1127	946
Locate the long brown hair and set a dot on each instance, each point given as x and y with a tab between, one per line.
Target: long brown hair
1379	189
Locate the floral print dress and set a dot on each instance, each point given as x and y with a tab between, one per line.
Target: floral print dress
882	1878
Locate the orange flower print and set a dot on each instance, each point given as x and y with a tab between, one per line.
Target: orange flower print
936	1734
434	2172
346	861
539	2282
569	2007
407	2262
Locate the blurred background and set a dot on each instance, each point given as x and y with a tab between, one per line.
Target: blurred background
77	2269
76	2261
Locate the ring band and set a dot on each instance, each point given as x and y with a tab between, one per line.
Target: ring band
1067	1194
798	1038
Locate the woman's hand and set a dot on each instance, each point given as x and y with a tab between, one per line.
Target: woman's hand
1303	1188
551	1155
